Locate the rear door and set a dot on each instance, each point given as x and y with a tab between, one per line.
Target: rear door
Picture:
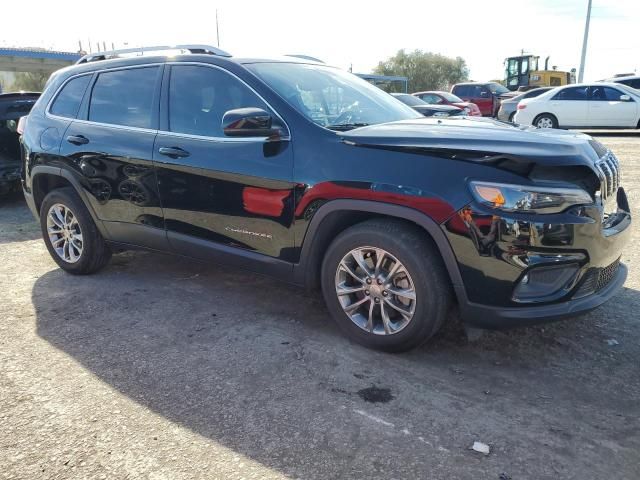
221	193
109	148
571	106
607	109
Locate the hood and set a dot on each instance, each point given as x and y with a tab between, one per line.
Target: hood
477	139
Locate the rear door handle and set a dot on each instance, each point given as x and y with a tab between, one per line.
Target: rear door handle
77	139
173	152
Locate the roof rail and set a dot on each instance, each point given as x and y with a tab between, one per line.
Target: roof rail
194	49
304	57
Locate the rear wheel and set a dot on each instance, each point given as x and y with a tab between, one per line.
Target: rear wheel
385	285
545	120
71	236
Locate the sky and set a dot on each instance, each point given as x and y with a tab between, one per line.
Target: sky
345	33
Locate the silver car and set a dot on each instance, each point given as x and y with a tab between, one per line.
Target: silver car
509	106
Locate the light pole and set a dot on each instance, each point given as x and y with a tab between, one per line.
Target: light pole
584	43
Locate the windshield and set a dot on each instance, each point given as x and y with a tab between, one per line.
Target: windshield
450	97
331	97
409	99
497	89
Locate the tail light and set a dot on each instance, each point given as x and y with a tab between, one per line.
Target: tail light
521	106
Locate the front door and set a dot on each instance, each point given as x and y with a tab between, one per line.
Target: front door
110	147
221	196
607	109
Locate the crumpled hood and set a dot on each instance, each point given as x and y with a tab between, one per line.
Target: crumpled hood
484	137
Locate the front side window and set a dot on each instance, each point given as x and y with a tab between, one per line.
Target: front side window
67	103
573	93
331	97
497	89
124	97
606	94
199	97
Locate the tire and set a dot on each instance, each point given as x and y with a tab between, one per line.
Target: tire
415	251
545	119
86	251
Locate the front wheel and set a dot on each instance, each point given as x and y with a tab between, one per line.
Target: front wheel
546	120
71	236
385	285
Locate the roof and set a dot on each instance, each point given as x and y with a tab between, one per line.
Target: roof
39	53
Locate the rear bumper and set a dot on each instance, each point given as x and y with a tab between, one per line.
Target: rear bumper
485	316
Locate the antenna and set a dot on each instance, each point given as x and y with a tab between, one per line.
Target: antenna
217	29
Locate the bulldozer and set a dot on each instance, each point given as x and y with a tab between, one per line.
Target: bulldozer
522	73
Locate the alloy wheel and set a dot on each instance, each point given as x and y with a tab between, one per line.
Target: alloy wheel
64	233
375	290
545	122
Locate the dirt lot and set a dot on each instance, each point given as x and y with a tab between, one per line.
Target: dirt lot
164	369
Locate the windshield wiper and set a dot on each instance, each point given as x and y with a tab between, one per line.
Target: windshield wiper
342	127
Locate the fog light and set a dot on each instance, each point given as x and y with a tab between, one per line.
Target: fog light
544	284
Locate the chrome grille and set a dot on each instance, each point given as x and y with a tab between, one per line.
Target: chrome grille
608	169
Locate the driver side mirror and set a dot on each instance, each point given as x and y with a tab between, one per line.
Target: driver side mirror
625	98
249	122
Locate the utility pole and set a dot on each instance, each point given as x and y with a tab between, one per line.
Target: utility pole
584	44
217	29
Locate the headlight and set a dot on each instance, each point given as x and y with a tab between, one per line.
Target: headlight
521	198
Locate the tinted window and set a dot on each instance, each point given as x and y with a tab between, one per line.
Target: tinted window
124	97
462	90
200	96
535	93
68	100
574	93
605	94
409	99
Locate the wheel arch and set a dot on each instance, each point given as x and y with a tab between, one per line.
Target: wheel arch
337	215
45	179
554	116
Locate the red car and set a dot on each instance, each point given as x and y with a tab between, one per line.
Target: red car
487	95
446	98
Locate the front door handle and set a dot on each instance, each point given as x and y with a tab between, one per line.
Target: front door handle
77	139
173	152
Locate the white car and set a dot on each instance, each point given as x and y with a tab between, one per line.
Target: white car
593	105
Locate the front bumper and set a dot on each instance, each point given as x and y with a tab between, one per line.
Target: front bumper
577	254
486	316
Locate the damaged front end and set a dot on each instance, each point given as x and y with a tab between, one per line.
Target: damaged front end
542	245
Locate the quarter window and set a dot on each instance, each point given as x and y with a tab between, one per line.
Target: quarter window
200	96
573	93
67	103
124	97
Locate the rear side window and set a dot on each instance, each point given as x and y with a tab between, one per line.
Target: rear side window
200	96
573	93
124	97
67	103
633	83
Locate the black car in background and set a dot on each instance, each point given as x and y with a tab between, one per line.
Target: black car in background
12	107
310	174
428	109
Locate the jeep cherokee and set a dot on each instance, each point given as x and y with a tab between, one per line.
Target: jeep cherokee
302	171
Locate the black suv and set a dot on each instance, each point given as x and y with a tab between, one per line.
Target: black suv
305	172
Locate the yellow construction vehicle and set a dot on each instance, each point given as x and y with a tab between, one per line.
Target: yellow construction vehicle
521	73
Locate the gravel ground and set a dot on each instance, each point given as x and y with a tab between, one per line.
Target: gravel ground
160	368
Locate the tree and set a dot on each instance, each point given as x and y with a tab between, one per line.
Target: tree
30	81
425	70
